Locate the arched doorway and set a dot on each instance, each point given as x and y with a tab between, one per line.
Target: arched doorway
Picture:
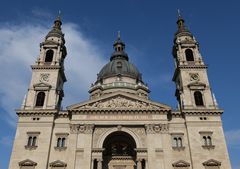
119	151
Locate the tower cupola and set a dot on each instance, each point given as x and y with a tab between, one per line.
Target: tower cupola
56	31
182	29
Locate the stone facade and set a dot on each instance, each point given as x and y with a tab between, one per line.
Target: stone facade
119	127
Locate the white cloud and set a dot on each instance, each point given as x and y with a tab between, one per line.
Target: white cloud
19	49
233	138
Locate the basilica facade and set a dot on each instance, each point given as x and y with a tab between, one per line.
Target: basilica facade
119	127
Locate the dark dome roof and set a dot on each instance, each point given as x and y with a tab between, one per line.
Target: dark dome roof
119	66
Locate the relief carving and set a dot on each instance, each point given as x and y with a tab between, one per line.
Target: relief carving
156	128
97	133
44	77
82	128
141	133
194	76
120	102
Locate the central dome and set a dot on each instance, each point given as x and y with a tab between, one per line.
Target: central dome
119	65
119	75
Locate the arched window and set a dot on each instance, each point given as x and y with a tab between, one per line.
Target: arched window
29	141
189	55
198	98
175	142
40	99
63	142
204	140
209	141
34	141
59	142
49	56
179	142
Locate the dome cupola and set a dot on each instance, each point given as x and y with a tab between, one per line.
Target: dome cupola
119	74
119	64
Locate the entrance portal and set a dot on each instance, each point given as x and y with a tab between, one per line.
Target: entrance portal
119	151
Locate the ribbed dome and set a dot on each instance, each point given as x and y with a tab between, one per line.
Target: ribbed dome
119	66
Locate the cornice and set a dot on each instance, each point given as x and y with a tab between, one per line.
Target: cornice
179	67
202	111
46	67
118	111
42	112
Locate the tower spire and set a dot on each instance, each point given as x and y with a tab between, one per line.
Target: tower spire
119	35
179	13
58	22
182	29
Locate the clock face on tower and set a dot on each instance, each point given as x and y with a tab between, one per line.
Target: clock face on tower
194	76
44	77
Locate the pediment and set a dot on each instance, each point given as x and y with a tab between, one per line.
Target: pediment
50	42
27	162
181	163
42	86
57	163
197	85
119	101
212	162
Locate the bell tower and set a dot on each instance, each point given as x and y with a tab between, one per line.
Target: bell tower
193	90
46	87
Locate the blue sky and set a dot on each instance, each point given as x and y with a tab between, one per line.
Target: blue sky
147	27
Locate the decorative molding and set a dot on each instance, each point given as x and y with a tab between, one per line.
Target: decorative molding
62	134
58	163
36	112
194	76
46	67
116	111
42	86
181	163
28	147
156	128
82	128
98	150
141	150
177	133
202	112
206	132
209	147
212	162
60	148
27	162
33	133
158	150
120	102
44	77
179	148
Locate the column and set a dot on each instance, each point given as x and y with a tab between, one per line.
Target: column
99	163
92	163
146	164
139	164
